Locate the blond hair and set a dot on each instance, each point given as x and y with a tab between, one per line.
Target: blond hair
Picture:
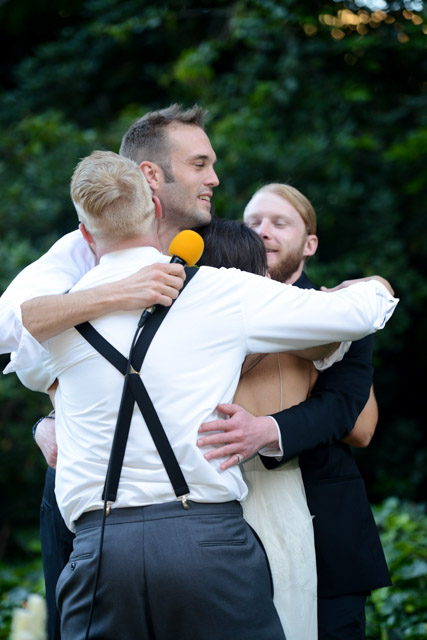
300	203
112	197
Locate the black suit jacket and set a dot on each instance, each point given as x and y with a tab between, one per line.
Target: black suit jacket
349	555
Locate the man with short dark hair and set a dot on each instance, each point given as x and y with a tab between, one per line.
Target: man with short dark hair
185	191
174	153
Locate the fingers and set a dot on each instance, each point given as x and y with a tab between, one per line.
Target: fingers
220	424
215	425
51	457
232	461
343	285
165	279
384	282
220	438
168	270
227	439
229	409
169	274
230	451
229	444
166	295
230	439
155	284
158	283
169	280
223	452
348	283
46	440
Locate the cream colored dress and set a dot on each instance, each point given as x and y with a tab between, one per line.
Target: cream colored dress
276	506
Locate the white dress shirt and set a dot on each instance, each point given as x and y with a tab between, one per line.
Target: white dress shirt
192	365
55	272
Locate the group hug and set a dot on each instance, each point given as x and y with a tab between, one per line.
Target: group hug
200	483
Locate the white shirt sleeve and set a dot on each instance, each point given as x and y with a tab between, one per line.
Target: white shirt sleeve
54	273
281	317
375	306
36	378
336	356
268	452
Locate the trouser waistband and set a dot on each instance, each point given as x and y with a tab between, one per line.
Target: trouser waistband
92	519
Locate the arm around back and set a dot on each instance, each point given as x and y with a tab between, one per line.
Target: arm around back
364	429
54	273
337	399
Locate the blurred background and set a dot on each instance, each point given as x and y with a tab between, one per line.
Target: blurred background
327	96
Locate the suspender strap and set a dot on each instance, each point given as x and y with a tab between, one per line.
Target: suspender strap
159	436
103	347
150	329
134	390
118	447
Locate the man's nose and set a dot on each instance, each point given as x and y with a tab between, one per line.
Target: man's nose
264	228
212	179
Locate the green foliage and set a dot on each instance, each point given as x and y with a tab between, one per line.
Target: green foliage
20	579
38	157
22	467
399	612
393	613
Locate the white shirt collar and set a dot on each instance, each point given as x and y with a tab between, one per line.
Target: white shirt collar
148	254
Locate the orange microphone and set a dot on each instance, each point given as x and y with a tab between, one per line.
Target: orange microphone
186	248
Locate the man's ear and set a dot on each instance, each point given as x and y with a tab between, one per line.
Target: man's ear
152	173
86	235
157	208
311	245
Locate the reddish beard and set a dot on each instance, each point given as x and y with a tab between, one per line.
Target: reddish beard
285	269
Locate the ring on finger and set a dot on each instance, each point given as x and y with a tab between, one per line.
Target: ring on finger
239	458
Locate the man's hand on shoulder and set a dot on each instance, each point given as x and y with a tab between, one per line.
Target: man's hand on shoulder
348	283
156	284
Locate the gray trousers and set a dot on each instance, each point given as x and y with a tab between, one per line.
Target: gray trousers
167	573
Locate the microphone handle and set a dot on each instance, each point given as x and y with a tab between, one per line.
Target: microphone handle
150	310
147	313
176	259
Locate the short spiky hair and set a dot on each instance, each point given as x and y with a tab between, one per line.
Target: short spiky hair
146	138
112	196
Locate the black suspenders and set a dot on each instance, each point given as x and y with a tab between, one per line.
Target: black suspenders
135	391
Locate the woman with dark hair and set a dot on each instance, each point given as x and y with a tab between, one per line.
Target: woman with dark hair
276	505
231	243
